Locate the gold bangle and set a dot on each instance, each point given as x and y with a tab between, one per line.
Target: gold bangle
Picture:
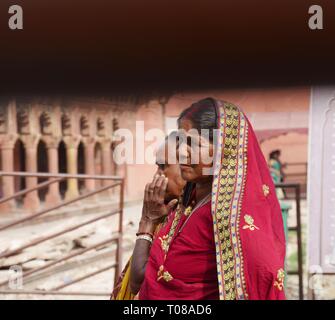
144	237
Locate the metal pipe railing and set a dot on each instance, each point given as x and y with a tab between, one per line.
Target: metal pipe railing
58	175
297	229
65	203
118	181
58	293
56	234
119	246
67	257
89	275
25	191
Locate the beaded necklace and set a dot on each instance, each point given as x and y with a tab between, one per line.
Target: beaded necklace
189	210
167	239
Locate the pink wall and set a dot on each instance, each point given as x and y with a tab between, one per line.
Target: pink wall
140	174
250	100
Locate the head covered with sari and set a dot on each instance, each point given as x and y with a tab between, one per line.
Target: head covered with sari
247	221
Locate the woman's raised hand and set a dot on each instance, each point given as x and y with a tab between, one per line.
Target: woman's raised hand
154	208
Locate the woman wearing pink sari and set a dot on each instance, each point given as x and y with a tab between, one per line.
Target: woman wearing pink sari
225	240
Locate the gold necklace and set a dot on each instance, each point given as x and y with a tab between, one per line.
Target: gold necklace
166	240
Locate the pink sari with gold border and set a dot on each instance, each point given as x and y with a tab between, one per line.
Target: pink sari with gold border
246	254
248	227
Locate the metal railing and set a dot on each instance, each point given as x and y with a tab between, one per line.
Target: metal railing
296	176
116	182
297	229
117	238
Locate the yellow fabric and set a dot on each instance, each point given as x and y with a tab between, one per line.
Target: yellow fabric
125	293
123	282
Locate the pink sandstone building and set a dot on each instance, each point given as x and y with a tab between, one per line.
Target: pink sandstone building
76	135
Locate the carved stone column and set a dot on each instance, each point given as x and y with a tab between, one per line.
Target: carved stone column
120	168
53	195
72	143
89	144
31	200
7	143
107	164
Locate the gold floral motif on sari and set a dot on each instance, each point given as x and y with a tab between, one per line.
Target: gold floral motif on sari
164	243
187	211
249	220
266	190
166	239
165	275
279	283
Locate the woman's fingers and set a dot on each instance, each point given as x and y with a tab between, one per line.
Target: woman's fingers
162	190
152	187
146	192
158	189
155	191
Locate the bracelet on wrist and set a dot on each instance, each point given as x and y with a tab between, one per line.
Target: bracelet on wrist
144	237
145	233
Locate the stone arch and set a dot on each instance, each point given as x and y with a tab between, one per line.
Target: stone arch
98	162
62	165
114	168
19	165
42	166
81	164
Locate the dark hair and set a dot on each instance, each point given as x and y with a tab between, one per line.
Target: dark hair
274	153
202	114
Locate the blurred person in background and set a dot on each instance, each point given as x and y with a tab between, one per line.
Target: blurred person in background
276	170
